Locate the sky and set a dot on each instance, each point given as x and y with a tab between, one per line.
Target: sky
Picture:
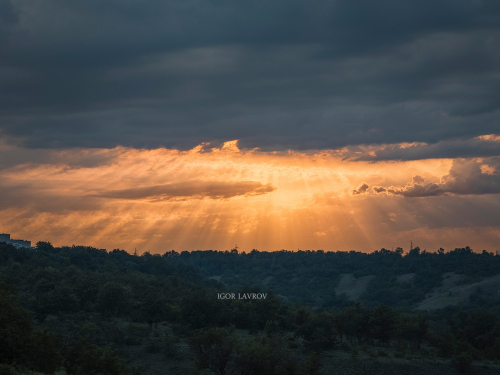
189	124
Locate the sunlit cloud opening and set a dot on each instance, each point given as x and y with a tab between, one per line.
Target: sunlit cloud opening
216	197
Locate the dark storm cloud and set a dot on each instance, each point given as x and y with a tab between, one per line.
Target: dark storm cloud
361	189
18	158
7	13
8	18
190	190
274	74
466	177
457	148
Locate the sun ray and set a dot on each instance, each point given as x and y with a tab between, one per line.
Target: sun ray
213	198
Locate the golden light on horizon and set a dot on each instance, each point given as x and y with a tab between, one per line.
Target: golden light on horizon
214	198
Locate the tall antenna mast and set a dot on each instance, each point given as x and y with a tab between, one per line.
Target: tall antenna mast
411	245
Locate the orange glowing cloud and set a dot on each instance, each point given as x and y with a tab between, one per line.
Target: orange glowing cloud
213	198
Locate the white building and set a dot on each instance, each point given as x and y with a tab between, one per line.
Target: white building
5	237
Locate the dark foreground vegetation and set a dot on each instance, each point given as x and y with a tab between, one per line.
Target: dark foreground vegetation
80	310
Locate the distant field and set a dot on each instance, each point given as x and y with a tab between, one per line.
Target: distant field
451	293
420	280
353	287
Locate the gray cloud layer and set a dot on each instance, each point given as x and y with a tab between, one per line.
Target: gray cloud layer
456	148
190	189
274	74
56	199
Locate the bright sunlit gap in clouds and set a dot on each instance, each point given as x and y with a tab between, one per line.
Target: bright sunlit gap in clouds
213	198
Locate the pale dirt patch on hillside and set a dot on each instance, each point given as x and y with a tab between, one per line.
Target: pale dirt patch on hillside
452	294
406	278
352	287
266	281
341	363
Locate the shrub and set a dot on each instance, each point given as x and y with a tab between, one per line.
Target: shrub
212	348
462	363
169	349
354	353
153	345
345	347
382	353
88	359
8	370
22	344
